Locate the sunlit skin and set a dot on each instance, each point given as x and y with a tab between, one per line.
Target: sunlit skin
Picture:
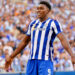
42	12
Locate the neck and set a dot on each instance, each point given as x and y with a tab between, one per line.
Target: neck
44	18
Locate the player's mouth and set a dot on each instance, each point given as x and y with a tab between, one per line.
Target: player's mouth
39	14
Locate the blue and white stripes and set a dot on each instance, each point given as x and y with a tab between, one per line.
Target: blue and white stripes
42	36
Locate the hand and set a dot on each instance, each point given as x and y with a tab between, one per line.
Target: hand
8	62
73	59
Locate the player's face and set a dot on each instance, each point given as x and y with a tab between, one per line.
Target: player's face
42	11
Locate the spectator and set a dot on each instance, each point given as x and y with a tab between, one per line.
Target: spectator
2	62
14	21
16	64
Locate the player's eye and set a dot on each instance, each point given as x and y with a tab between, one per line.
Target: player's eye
38	8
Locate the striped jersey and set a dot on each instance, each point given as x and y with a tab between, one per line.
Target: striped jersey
42	36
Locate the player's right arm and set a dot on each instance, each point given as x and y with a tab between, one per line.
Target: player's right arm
20	47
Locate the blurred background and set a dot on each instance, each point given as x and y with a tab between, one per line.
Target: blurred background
16	15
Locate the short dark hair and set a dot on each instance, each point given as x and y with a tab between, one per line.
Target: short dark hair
46	3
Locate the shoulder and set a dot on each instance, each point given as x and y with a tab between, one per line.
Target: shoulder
33	22
55	22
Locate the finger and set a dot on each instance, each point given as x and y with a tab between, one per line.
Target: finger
6	66
73	64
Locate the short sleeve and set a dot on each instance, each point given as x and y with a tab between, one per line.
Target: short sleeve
57	27
28	33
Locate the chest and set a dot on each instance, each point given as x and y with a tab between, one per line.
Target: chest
40	27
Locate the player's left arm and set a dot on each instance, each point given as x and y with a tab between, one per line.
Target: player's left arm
66	45
57	28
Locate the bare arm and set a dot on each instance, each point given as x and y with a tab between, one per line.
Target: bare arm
65	43
21	46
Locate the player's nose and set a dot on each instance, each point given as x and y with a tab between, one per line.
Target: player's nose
38	11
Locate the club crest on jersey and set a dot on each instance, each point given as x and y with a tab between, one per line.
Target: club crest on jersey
33	27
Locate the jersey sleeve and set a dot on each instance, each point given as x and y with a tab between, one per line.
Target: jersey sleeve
57	27
28	32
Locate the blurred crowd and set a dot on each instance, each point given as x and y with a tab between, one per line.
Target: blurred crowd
14	21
